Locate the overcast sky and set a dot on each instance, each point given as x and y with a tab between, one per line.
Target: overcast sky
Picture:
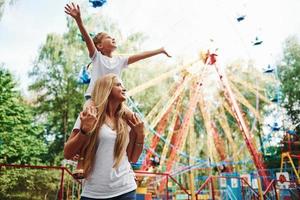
183	27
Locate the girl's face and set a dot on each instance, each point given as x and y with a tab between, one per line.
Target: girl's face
118	91
107	43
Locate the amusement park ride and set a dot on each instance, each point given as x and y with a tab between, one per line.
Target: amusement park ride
290	151
175	130
218	98
174	139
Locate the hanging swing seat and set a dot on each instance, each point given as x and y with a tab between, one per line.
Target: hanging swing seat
257	42
275	127
291	132
84	76
136	166
97	3
269	69
240	18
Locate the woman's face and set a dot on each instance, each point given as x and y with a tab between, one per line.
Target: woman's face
118	91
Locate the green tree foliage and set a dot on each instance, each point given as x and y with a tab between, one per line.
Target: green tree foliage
3	5
33	184
290	79
20	135
58	95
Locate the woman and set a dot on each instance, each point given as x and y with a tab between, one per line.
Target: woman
110	146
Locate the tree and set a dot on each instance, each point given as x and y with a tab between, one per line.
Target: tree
3	4
2	7
289	71
20	135
58	95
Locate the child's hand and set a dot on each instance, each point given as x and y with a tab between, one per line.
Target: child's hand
165	52
73	10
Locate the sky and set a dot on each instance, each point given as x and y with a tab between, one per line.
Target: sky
182	27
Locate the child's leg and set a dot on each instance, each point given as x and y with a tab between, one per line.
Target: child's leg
78	172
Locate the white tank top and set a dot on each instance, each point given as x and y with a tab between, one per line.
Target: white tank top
105	181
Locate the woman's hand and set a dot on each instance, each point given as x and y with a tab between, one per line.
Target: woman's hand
136	143
137	126
88	119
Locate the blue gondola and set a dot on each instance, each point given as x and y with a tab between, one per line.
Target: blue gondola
240	18
97	3
269	69
275	127
277	98
257	41
136	166
84	76
291	132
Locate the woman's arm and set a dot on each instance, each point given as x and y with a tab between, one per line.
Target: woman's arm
74	144
130	147
138	147
136	143
128	116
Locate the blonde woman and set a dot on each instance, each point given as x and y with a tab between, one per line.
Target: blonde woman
110	144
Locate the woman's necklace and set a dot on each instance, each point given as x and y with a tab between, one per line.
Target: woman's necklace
110	122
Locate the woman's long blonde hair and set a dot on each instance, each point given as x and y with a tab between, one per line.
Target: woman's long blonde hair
100	96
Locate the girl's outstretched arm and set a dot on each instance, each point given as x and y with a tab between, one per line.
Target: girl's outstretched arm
74	11
146	54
